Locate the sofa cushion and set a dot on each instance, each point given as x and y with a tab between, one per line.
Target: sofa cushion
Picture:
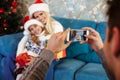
74	23
1	57
9	67
66	70
101	28
2	76
76	49
91	71
91	56
8	43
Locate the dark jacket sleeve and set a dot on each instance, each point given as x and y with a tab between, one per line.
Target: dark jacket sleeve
38	69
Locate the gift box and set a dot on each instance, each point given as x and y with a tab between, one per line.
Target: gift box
22	59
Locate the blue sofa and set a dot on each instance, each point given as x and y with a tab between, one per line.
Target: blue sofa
81	62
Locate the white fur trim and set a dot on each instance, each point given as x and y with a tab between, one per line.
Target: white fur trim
38	7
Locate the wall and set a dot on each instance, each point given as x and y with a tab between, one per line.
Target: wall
78	9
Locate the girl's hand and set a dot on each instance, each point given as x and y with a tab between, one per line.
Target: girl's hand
31	60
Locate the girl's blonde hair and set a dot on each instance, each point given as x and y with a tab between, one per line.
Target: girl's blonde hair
48	27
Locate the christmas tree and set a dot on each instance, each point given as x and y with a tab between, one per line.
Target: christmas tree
11	15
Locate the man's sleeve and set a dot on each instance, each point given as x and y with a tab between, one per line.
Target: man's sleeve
38	69
100	53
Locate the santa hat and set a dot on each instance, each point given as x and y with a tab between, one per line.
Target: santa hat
38	6
25	19
29	23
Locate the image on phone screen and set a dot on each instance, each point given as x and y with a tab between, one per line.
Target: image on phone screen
77	35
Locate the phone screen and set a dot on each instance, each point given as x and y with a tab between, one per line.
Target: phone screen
77	35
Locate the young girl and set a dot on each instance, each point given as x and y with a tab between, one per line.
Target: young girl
40	11
34	43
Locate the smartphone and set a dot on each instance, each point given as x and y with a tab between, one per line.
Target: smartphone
77	35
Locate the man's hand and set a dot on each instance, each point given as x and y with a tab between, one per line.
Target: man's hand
94	39
56	42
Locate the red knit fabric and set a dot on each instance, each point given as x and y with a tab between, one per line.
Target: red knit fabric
25	20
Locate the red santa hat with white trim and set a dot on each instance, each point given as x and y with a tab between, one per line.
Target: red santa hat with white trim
38	6
29	23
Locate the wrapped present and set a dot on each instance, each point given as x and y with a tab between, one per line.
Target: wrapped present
61	54
22	59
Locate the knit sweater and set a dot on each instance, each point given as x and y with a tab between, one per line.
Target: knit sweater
38	69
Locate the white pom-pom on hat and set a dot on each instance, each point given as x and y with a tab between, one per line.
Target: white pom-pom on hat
38	6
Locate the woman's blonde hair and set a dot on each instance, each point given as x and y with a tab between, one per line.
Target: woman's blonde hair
48	27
